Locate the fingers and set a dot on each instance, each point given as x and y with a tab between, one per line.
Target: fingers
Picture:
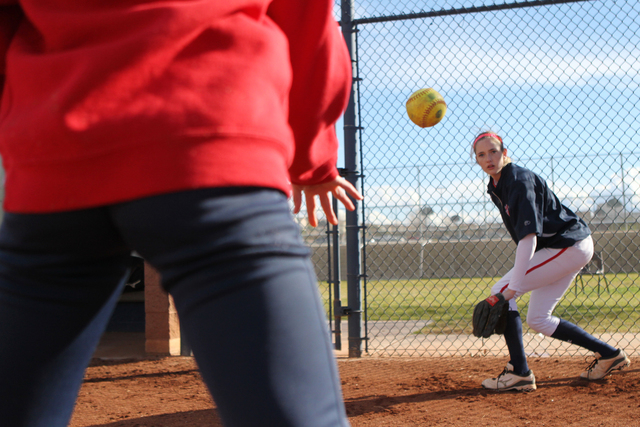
339	194
341	190
325	202
297	199
338	191
311	209
353	192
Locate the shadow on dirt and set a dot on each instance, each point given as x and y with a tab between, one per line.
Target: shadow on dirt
201	418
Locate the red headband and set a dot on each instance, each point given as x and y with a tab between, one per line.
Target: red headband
484	135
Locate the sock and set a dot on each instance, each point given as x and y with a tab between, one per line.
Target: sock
567	331
513	337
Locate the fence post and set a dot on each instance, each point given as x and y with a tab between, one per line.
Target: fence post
334	259
354	310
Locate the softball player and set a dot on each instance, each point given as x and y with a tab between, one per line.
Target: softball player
554	244
176	129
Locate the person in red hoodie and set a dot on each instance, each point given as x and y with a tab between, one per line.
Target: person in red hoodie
178	130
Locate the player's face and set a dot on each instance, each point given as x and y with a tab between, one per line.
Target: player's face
490	157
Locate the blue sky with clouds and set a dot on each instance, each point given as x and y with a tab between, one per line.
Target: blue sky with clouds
559	83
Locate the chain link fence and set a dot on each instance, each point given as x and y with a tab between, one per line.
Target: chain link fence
559	82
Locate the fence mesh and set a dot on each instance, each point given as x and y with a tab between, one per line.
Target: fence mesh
559	82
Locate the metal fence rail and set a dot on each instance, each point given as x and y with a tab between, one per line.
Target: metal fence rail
559	80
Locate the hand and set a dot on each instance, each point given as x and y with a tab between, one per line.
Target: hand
508	294
339	187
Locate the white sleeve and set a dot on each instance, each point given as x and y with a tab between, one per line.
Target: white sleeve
524	252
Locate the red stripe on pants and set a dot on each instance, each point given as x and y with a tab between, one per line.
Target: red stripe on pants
538	266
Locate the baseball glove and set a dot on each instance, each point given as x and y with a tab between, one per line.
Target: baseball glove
490	316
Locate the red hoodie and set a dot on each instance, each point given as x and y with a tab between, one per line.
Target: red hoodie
108	101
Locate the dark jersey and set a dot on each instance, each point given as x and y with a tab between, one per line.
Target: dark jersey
527	205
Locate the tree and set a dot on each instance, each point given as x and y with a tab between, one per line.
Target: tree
426	210
455	219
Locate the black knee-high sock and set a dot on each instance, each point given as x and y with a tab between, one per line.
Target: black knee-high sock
513	337
567	331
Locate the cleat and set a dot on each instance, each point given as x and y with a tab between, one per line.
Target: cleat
507	380
600	367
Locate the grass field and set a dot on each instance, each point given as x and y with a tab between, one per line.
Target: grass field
448	303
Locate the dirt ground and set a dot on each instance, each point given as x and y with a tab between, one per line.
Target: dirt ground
168	392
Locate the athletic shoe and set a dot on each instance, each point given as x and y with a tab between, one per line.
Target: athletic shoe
600	367
508	380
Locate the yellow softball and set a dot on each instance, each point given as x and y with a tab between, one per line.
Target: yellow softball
426	107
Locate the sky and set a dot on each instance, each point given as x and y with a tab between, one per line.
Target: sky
559	83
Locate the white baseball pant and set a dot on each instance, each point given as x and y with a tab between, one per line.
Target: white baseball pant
550	273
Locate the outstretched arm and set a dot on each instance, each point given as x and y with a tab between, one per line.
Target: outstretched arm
524	252
320	86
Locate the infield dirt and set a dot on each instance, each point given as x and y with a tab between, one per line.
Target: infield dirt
443	391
